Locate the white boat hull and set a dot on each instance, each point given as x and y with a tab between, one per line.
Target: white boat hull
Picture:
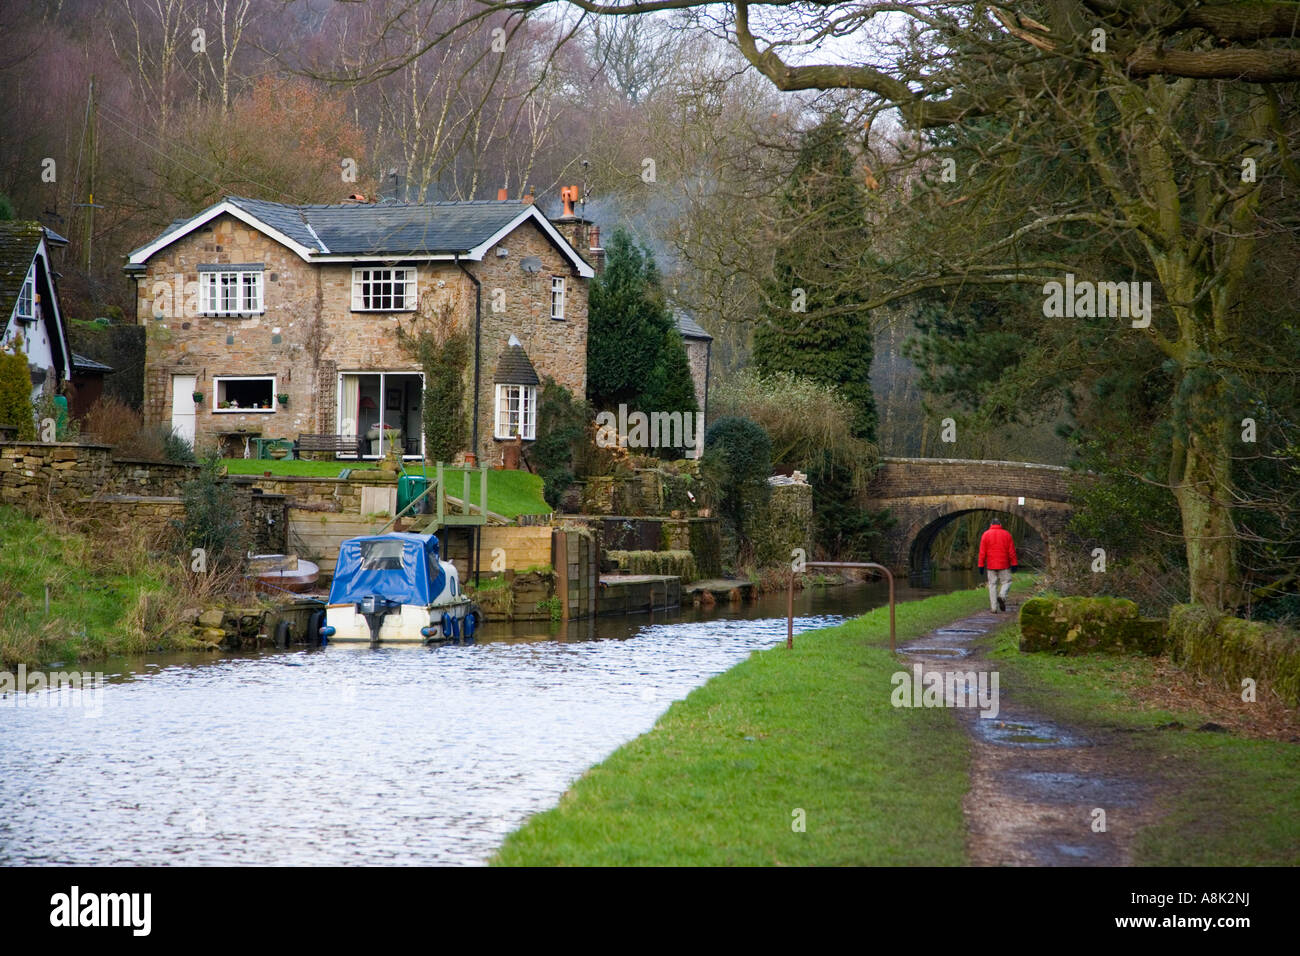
405	626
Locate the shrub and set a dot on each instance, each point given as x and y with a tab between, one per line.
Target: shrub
808	421
444	356
211	519
16	394
110	421
736	463
562	427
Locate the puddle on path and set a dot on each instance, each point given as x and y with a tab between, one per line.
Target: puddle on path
1036	784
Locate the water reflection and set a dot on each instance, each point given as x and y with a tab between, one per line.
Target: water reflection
353	756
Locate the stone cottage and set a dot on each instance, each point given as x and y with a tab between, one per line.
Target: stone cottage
267	320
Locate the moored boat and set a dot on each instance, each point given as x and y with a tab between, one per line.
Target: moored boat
393	589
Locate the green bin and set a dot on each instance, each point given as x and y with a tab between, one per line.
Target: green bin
410	487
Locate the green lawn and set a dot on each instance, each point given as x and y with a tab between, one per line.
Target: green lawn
510	493
314	469
1234	801
720	777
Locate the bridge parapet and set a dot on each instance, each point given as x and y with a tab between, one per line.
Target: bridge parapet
925	477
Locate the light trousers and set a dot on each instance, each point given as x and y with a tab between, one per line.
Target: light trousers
995	577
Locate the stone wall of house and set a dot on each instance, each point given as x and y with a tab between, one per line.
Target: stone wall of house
697	357
556	348
309	334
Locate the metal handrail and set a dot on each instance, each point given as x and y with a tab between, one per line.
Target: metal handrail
789	607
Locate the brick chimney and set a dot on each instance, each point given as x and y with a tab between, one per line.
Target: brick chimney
596	252
570	225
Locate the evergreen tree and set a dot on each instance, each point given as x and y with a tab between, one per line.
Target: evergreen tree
16	394
627	324
670	388
811	324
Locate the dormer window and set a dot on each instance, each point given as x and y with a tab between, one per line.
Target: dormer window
231	289
383	290
25	310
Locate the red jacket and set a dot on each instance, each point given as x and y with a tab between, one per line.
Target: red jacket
997	550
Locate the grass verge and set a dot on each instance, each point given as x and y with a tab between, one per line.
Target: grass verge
1232	801
719	779
109	594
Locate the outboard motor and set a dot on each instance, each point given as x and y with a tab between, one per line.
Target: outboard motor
374	609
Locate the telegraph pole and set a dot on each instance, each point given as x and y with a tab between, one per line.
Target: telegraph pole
89	204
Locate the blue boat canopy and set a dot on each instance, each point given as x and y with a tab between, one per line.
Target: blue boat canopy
400	566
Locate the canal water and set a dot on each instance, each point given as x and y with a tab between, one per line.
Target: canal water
355	756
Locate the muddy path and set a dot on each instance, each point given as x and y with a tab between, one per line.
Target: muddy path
1036	784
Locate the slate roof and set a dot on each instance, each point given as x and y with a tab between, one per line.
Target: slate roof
18	244
387	228
83	364
513	368
689	328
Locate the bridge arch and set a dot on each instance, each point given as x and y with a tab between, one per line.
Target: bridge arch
1031	543
924	494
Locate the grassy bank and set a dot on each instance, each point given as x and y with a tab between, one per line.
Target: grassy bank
109	594
719	778
1232	801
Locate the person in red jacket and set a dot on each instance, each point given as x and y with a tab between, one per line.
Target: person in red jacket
998	556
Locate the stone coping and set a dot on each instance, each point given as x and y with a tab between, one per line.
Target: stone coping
975	461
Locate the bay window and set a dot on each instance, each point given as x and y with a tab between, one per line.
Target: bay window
516	411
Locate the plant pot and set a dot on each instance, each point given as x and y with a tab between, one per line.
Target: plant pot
198	398
283	399
279	452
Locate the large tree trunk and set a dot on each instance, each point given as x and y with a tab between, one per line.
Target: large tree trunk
1201	482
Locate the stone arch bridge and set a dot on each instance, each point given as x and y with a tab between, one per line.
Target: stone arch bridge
925	494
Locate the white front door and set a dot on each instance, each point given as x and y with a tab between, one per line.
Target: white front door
183	406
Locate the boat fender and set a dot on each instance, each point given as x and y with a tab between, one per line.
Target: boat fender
448	625
471	624
315	621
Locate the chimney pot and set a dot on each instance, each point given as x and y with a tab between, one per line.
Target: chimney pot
528	196
569	195
503	195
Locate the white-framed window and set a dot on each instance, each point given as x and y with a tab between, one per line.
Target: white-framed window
243	393
234	290
25	310
383	290
557	297
516	411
